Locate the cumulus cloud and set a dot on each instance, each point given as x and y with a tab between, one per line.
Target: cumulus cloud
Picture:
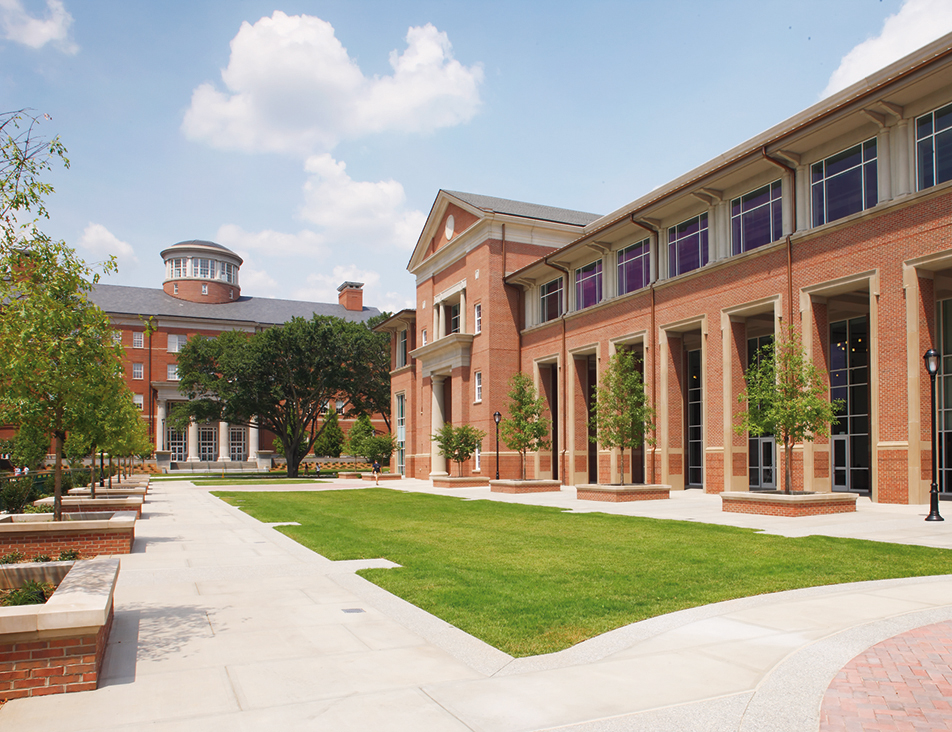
102	243
20	27
305	243
322	287
291	86
367	213
917	23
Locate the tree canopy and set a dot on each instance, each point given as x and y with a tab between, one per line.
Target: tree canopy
277	379
458	444
786	397
622	415
526	429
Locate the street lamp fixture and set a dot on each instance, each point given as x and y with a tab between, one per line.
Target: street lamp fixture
497	418
931	358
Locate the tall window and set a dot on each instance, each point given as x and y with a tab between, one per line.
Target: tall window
172	372
177	267
139	401
402	348
423	337
204	268
177	342
687	245
849	381
479	386
588	285
478	318
454	319
229	273
633	267
551	300
401	433
138	340
478	460
934	147
756	218
844	183
137	371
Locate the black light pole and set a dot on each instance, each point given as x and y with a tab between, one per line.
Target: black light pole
931	357
496	418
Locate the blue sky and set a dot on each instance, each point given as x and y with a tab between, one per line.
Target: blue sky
313	137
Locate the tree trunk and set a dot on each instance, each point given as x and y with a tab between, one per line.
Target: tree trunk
788	466
58	477
92	474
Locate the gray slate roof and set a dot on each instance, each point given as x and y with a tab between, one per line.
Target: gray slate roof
527	210
146	301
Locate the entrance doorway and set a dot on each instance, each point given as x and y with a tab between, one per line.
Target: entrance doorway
695	436
763	475
208	443
177	444
849	382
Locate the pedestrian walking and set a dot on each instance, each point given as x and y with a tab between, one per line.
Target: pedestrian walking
376	469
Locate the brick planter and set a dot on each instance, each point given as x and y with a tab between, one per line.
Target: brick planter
789	505
57	647
349	475
79	504
91	534
622	493
469	481
524	486
383	476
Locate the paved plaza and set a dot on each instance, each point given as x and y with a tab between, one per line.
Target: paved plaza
223	623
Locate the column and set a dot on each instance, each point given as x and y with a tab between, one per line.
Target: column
224	451
160	424
437	412
462	312
441	328
252	441
905	161
192	442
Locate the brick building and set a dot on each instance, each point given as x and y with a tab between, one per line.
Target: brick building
836	220
201	295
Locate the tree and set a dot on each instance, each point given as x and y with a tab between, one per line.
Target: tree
330	443
379	448
361	431
458	443
277	379
621	414
525	429
58	348
786	397
374	397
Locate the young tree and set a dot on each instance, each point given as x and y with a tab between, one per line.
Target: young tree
621	415
786	397
358	435
277	380
526	429
458	444
57	346
330	443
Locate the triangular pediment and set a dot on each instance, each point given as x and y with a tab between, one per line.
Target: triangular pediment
449	218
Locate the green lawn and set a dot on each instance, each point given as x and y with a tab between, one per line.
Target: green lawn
531	580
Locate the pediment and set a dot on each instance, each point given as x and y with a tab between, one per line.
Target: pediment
450	218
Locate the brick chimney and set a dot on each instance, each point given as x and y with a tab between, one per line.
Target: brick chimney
351	296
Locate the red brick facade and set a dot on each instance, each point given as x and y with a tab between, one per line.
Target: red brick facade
881	270
51	543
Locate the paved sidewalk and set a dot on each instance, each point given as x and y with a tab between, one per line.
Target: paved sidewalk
223	623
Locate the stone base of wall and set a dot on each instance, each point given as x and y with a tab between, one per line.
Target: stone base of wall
59	647
469	481
524	486
622	493
789	505
383	476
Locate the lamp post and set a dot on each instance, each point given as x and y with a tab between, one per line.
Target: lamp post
497	417
931	357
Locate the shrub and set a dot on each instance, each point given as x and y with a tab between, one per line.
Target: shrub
68	555
32	593
42	558
12	558
16	493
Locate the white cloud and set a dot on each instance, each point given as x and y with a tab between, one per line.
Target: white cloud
102	243
20	27
273	243
917	23
291	86
363	213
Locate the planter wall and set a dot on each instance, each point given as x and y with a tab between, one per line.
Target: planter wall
59	647
524	486
96	505
468	481
623	493
90	534
383	476
789	505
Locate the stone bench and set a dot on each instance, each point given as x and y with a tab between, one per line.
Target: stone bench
623	493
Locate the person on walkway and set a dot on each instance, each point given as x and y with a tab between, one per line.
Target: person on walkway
376	470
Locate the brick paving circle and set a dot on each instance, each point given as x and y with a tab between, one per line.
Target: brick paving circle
903	683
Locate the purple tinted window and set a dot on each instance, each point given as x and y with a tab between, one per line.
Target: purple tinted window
551	300
687	245
588	285
756	218
633	267
845	184
934	147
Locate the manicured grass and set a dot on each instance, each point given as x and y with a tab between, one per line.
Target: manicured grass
531	580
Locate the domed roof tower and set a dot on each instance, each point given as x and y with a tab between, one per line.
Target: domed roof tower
201	271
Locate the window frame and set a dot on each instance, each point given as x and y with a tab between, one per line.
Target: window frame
138	371
478	380
403	339
773	207
138	339
676	241
557	294
139	401
171	372
869	181
583	275
644	255
478	318
931	135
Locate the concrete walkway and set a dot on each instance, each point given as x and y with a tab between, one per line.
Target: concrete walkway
223	623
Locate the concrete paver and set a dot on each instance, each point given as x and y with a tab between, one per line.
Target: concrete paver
224	623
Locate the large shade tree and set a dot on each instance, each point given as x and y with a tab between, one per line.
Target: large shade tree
57	345
277	379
